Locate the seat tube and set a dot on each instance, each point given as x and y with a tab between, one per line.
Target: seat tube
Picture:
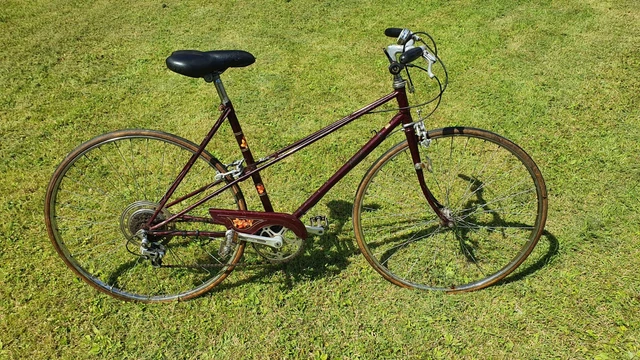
248	158
241	139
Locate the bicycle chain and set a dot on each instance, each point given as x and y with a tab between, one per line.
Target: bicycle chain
264	262
238	264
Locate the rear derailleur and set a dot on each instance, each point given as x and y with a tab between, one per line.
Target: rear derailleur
152	251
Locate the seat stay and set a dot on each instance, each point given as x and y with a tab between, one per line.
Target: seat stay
183	173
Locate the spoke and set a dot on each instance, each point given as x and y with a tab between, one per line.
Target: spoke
447	239
144	170
180	260
487	183
213	257
110	162
83	223
99	246
499	200
126	164
403	225
477	174
453	174
469	254
424	248
397	215
501	210
83	185
464	197
407	242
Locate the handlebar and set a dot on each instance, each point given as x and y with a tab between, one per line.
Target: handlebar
411	55
393	32
403	35
403	55
407	51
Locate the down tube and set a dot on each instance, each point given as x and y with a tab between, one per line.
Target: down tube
349	165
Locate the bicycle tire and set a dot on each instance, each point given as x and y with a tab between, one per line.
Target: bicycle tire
490	187
106	188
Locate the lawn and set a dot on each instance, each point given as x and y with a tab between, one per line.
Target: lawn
560	78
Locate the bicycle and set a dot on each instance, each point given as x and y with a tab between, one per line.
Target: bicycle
149	216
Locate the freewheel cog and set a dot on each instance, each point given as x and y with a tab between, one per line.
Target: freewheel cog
136	215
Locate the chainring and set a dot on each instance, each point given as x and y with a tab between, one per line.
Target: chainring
292	245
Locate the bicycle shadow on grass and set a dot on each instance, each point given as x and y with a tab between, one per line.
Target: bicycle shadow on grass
466	248
467	244
328	255
324	256
528	269
477	188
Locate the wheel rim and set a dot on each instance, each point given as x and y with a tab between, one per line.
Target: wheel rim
497	206
101	193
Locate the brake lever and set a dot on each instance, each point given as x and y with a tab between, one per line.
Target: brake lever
431	59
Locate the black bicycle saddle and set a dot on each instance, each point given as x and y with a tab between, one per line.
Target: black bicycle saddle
194	63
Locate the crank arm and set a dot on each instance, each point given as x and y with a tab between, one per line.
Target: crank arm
315	230
275	242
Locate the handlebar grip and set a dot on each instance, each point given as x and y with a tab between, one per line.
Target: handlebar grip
410	55
393	32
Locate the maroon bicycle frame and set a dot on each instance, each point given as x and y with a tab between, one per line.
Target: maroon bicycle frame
253	168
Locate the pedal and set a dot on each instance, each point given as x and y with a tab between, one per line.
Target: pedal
317	224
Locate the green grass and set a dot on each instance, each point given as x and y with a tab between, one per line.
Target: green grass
559	78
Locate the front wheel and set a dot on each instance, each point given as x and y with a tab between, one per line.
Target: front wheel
490	190
109	187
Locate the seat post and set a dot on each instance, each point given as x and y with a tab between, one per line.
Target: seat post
222	93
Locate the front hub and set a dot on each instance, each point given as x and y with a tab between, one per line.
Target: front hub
448	214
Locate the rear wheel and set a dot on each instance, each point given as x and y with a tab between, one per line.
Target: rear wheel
108	188
489	188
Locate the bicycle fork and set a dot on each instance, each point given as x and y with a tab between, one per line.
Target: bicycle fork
417	135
